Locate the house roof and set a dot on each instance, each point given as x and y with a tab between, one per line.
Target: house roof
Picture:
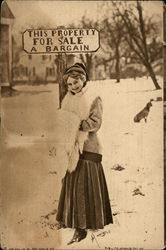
5	11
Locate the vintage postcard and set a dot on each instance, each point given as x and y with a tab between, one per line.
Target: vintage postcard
82	155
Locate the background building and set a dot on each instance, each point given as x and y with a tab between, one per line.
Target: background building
7	18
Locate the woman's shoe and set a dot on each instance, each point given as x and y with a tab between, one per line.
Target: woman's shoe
79	235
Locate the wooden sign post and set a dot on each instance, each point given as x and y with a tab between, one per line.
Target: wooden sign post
61	67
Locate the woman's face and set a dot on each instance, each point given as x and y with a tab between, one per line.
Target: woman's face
74	85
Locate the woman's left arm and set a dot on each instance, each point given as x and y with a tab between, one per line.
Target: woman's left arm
93	123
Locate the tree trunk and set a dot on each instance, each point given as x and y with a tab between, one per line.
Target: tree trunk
117	66
90	72
89	67
87	61
153	76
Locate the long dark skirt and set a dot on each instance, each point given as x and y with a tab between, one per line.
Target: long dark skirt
84	200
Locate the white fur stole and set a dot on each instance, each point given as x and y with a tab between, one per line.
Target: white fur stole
78	105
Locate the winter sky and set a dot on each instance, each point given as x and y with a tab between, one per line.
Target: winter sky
54	13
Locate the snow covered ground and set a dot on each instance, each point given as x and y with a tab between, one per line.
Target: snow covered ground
132	159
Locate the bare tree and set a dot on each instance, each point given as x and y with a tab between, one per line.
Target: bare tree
88	58
112	36
139	34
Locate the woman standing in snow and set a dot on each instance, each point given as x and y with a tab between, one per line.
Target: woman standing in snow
84	200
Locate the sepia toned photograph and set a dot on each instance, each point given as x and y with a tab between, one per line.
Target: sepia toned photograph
82	125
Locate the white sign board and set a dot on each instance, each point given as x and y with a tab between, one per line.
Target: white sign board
37	41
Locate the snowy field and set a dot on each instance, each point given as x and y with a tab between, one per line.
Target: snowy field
132	159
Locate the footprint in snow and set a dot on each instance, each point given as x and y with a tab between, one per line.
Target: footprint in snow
48	215
114	214
138	192
117	167
52	172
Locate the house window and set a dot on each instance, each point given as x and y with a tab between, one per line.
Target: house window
47	71
53	72
50	71
44	57
26	71
34	71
